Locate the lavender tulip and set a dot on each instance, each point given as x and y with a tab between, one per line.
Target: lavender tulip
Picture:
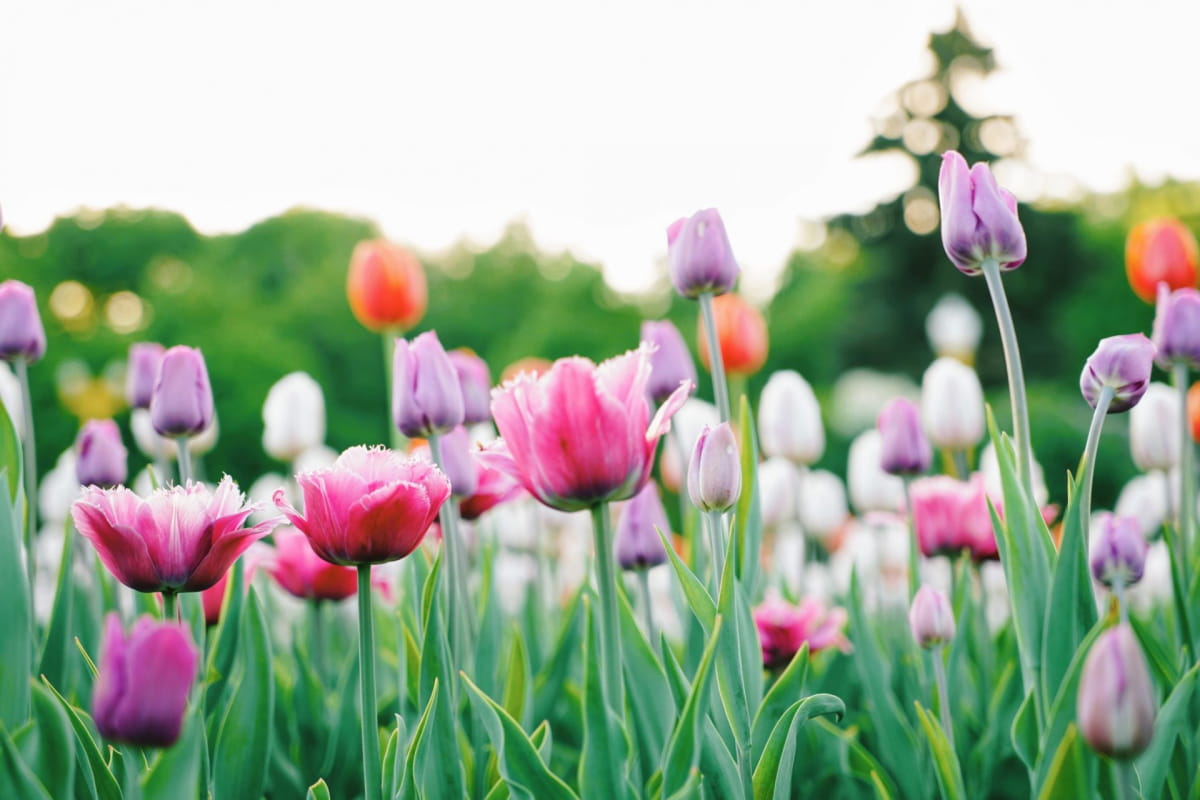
1122	363
141	371
1153	430
428	397
638	544
476	383
670	363
700	258
458	463
1118	550
21	334
182	402
931	618
715	473
1177	327
100	455
905	449
1116	703
979	219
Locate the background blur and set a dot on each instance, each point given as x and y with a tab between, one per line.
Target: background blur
501	126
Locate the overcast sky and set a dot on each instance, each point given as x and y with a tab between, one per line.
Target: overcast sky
596	123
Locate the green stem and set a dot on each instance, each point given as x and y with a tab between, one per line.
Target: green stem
1187	488
1124	780
185	460
1016	376
372	768
715	360
317	647
939	675
610	632
29	473
647	606
458	617
170	606
1089	454
389	352
716	540
960	465
914	552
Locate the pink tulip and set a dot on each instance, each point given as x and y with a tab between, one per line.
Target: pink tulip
180	539
951	516
213	598
783	628
370	507
493	488
297	568
580	434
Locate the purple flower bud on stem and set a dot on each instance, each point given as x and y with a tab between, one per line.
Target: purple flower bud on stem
979	219
476	383
1177	327
1118	550
670	363
182	402
1115	705
21	333
931	618
905	449
427	397
141	371
1123	363
700	258
100	455
715	472
638	544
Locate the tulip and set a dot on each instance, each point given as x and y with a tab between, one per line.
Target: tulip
904	449
142	682
182	401
670	361
700	259
22	337
213	598
778	480
954	328
1157	252
492	488
1115	705
476	383
458	462
530	364
931	618
638	544
979	219
386	286
1153	435
302	573
951	516
1118	550
427	397
1176	331
952	405
789	419
823	510
784	628
872	489
293	417
741	335
1149	499
141	372
1122	363
100	454
693	416
715	473
180	539
1193	408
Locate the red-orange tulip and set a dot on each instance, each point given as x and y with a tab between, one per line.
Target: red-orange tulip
1160	251
531	364
741	332
386	286
1193	406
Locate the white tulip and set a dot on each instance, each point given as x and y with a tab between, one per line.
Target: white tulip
1146	497
156	447
789	419
58	489
954	327
293	417
872	489
952	405
990	467
778	480
1154	589
823	508
1154	428
686	425
10	396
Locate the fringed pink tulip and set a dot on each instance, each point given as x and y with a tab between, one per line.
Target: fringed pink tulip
213	598
784	628
302	573
951	516
493	488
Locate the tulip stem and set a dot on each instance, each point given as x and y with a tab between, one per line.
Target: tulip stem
366	681
1187	489
914	552
1089	455
459	619
185	461
317	648
960	465
389	354
1126	789
29	451
1016	375
715	359
170	607
647	606
716	541
610	632
939	676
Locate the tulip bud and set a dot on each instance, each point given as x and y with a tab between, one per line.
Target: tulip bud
1122	362
1149	499
1160	251
458	463
182	403
789	419
823	510
476	383
904	450
100	454
1153	429
1115	705
386	286
777	483
931	618
143	681
670	363
693	417
715	473
141	371
741	335
954	328
1118	550
638	544
699	256
952	405
293	417
872	489
979	219
21	334
1176	331
427	397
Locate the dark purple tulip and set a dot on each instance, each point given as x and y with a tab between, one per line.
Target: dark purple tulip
670	363
476	383
1118	550
1177	327
905	450
1122	362
143	682
1115	704
22	336
458	463
182	403
426	395
699	257
979	219
100	455
141	371
638	545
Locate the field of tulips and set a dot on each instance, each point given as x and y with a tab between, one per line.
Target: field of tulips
528	621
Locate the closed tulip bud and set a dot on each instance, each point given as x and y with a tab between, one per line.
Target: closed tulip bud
386	286
459	463
1153	429
100	454
904	449
670	362
1115	705
1177	327
699	256
1118	550
715	472
872	489
638	544
1160	251
1149	499
182	403
823	509
1122	363
293	417
979	219
777	482
141	371
954	328
143	681
931	618
427	398
476	383
952	405
741	335
22	337
789	419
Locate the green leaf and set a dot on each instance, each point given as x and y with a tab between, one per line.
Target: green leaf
789	685
17	781
438	764
698	598
47	744
16	624
1061	713
393	773
57	650
10	455
1172	723
748	529
1025	732
859	762
176	773
682	750
106	785
408	785
650	701
547	687
1067	776
318	791
739	662
772	778
224	648
1071	610
605	746
945	760
516	688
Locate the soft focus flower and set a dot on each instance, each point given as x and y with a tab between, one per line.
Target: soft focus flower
1154	429
142	682
293	416
179	539
1146	498
715	471
371	506
904	450
530	364
182	402
1176	331
822	504
1193	407
789	419
699	257
954	328
581	434
638	544
10	396
1115	704
458	462
979	219
951	516
872	489
931	618
784	628
778	481
100	454
492	488
989	467
670	362
141	371
1153	591
1118	550
1160	251
386	286
302	573
213	598
21	334
476	383
427	397
741	335
1122	362
952	405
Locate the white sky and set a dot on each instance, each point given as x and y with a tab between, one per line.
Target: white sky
596	123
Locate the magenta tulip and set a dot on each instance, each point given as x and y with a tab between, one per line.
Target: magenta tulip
302	573
784	628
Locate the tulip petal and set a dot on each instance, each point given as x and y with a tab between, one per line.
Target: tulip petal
389	523
119	547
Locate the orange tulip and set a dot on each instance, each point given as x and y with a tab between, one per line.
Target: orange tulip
741	333
1193	406
386	286
1160	251
531	364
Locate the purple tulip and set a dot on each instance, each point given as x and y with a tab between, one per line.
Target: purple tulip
905	449
638	544
1177	327
1118	550
476	383
715	472
427	397
143	682
458	463
141	371
182	402
979	219
22	336
100	455
1123	363
931	618
670	363
699	257
1115	704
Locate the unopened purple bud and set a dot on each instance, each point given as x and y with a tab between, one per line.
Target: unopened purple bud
905	449
715	473
182	402
931	618
700	258
1118	550
458	463
1123	363
426	395
979	219
1177	327
22	336
141	371
670	363
638	544
1115	705
476	383
100	455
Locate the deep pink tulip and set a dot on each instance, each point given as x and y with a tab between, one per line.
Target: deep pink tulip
951	516
581	434
213	598
178	540
297	568
493	488
783	628
370	507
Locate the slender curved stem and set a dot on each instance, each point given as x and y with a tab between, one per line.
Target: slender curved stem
185	460
715	360
29	451
372	768
1016	376
647	605
939	675
914	552
1187	488
610	632
1089	454
458	617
